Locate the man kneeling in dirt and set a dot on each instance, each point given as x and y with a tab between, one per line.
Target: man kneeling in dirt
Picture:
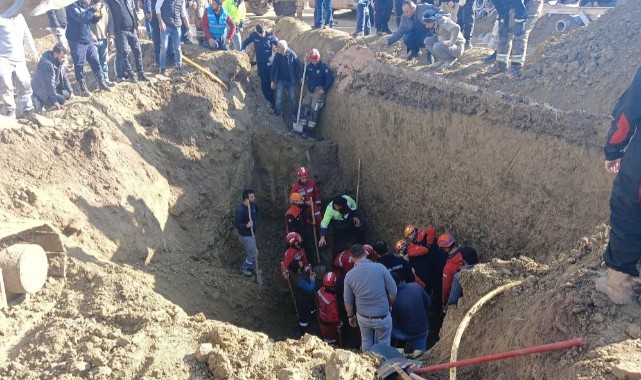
447	44
217	26
50	81
320	79
623	156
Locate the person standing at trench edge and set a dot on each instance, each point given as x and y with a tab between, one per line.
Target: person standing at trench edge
623	156
244	224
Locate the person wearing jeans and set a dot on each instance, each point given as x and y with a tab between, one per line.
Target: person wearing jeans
364	22
411	29
237	11
410	314
247	226
171	15
125	27
284	75
448	44
369	293
323	8
103	31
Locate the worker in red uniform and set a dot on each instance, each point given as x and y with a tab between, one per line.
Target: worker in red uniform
294	214
328	309
425	238
343	262
415	256
308	189
432	264
294	252
454	262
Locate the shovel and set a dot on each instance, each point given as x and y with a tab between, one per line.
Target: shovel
259	274
297	126
320	270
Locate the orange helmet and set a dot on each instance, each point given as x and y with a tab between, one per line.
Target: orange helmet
409	230
445	240
295	198
401	246
329	279
302	172
293	237
369	249
314	55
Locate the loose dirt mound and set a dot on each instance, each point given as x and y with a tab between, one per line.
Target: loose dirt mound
553	303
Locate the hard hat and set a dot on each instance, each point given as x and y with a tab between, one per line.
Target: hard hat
329	279
295	198
368	248
293	237
302	172
401	246
445	240
314	55
409	229
429	16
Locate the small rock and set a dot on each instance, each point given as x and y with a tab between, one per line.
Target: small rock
74	227
199	317
81	366
29	131
289	374
203	352
627	370
341	365
634	331
31	197
104	371
598	318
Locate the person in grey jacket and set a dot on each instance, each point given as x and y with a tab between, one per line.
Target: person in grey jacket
50	80
447	44
58	25
412	30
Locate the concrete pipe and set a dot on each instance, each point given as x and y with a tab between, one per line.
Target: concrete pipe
24	267
563	25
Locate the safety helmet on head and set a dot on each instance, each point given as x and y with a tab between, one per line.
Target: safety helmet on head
293	237
329	279
368	248
302	172
295	198
409	230
314	55
401	246
445	240
429	16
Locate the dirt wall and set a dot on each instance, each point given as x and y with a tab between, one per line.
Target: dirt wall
506	176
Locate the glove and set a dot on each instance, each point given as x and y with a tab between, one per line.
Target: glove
519	27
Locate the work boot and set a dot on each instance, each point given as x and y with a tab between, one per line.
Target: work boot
103	85
131	77
491	58
246	272
515	70
357	34
413	54
468	45
182	72
617	286
84	91
142	77
498	67
429	58
109	84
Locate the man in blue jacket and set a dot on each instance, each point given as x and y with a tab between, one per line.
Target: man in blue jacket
409	315
264	42
320	79
50	79
623	156
171	15
80	15
284	75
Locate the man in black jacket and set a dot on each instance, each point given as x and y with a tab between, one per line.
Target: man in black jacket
246	226
284	75
50	80
125	30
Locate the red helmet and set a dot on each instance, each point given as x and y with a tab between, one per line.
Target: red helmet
293	237
445	240
369	249
302	172
329	279
344	261
314	55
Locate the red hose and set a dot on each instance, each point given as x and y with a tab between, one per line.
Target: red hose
504	355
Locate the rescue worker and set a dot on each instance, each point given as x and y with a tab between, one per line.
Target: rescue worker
294	252
418	259
348	227
237	10
328	309
14	36
303	287
512	50
435	261
447	43
412	30
171	15
343	263
454	262
125	19
308	188
80	15
320	79
470	259
425	238
218	26
264	42
350	336
393	263
296	220
50	81
283	75
623	157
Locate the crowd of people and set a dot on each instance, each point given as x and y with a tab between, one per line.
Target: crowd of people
366	294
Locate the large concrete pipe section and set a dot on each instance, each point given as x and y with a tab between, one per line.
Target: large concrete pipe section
24	268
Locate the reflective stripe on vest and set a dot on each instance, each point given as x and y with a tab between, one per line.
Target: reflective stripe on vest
217	25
